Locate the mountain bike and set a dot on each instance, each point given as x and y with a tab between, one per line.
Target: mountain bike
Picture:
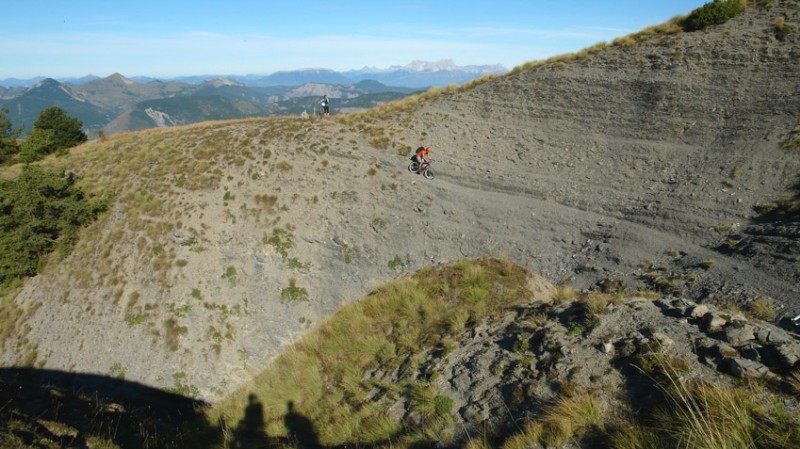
427	171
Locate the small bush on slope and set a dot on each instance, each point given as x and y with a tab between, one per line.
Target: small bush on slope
714	13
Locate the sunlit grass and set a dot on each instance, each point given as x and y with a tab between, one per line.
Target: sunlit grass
323	373
698	414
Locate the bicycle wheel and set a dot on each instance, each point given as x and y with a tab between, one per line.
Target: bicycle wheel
427	172
412	167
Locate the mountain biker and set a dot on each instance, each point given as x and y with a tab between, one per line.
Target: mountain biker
422	155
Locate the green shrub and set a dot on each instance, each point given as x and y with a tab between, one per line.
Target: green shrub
133	319
117	371
293	292
442	405
54	131
782	30
38	144
713	13
8	137
348	254
66	129
281	240
230	273
397	263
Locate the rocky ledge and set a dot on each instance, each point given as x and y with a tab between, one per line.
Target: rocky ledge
514	365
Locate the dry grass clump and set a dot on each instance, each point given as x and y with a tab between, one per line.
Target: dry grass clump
787	207
529	436
567	420
571	418
672	26
763	309
669	27
792	140
11	316
565	293
794	381
697	414
390	110
478	81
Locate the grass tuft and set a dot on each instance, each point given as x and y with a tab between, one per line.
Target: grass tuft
700	415
763	309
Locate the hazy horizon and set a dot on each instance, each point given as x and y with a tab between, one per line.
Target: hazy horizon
242	75
181	38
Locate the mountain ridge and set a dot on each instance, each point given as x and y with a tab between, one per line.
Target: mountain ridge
102	99
118	95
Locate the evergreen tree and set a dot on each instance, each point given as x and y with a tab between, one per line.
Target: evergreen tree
40	212
8	137
37	144
67	130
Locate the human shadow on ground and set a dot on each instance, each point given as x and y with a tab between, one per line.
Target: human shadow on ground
70	409
67	408
250	433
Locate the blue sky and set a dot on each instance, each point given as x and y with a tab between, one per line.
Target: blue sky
169	38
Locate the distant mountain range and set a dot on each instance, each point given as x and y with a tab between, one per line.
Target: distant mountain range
117	103
417	74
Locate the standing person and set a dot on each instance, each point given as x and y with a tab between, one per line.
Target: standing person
325	103
422	155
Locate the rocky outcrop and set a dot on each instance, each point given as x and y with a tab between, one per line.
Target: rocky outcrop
519	362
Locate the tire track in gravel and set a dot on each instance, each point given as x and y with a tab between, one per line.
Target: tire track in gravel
525	221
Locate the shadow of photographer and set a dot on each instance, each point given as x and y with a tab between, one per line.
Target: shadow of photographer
250	433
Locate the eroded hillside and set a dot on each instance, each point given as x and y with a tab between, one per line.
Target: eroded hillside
625	167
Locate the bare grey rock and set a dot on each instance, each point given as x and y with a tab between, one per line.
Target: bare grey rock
739	334
751	351
788	354
698	311
747	369
772	334
663	340
606	348
713	322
